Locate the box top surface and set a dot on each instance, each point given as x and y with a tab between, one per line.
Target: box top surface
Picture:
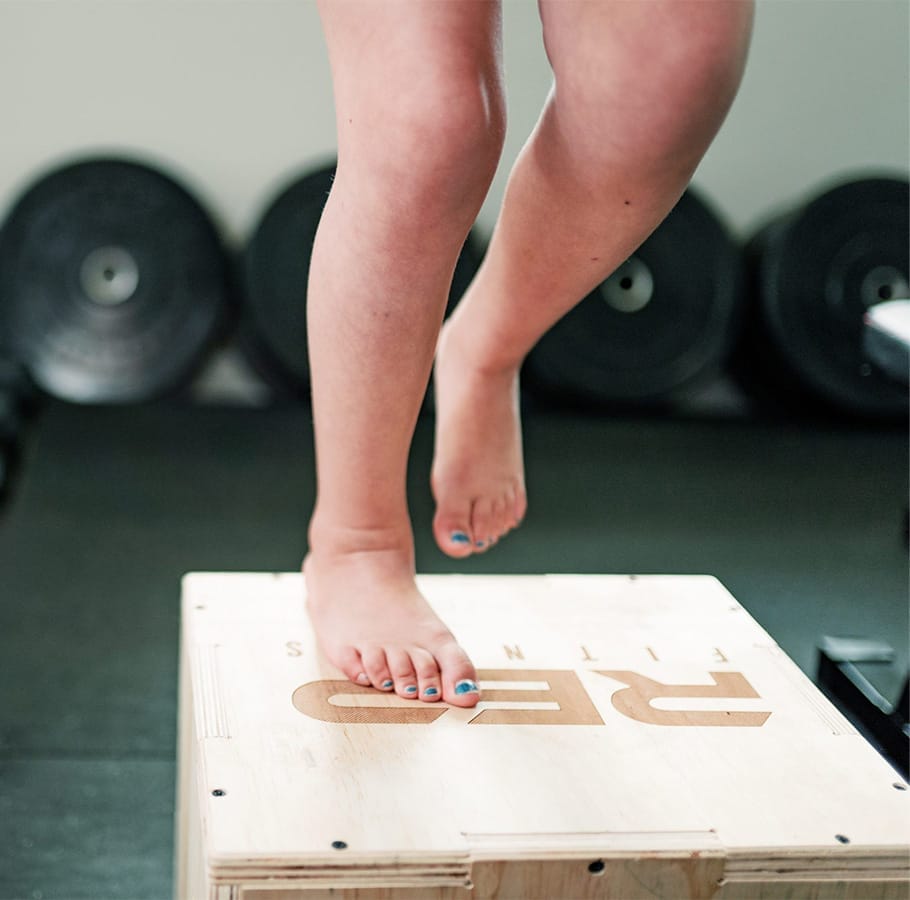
621	715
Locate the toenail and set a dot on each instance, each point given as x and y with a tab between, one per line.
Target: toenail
388	683
479	544
411	689
362	678
431	692
466	686
459	537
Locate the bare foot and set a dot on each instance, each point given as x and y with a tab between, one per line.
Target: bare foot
478	472
374	624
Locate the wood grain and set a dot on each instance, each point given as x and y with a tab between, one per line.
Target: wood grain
642	737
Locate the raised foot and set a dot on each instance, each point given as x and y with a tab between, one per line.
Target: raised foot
478	472
373	623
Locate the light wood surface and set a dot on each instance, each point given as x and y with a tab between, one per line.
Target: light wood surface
648	726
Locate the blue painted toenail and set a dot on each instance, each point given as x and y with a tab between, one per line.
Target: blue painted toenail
431	692
388	683
459	537
411	689
479	544
466	687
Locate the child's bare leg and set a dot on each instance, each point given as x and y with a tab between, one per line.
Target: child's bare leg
640	91
419	114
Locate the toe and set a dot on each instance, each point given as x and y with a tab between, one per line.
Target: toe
521	503
482	524
508	512
452	527
501	517
403	673
349	661
429	683
459	677
377	668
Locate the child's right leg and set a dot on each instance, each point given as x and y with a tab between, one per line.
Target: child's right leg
420	118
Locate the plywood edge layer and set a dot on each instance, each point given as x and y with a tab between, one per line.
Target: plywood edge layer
816	864
484	848
885	863
348	878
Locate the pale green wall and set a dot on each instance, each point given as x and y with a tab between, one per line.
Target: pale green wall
235	96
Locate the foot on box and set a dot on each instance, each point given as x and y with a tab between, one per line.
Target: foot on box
373	623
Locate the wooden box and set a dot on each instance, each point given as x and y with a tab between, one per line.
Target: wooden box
638	738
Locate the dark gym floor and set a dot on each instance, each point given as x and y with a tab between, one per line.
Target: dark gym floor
804	524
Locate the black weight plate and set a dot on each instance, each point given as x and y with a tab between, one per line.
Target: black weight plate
15	383
6	473
16	395
815	273
10	418
112	282
664	320
276	267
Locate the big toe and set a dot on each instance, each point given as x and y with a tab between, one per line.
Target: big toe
459	677
452	527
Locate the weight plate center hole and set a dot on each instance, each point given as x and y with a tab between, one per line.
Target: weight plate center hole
109	276
630	288
884	283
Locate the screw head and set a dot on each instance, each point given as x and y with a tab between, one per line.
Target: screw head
218	792
339	845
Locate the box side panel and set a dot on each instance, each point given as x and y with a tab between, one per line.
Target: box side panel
190	864
196	883
814	890
184	794
685	878
681	878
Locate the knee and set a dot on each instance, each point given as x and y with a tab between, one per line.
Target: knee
456	138
700	52
664	84
432	154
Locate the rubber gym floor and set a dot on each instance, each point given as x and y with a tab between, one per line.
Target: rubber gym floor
803	523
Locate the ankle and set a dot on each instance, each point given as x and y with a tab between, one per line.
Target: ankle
335	536
475	354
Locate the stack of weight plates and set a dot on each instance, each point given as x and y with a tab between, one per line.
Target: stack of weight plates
113	282
815	272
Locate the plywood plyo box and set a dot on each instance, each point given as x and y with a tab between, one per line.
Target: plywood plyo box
637	738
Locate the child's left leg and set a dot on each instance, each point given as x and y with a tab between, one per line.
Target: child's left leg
640	91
